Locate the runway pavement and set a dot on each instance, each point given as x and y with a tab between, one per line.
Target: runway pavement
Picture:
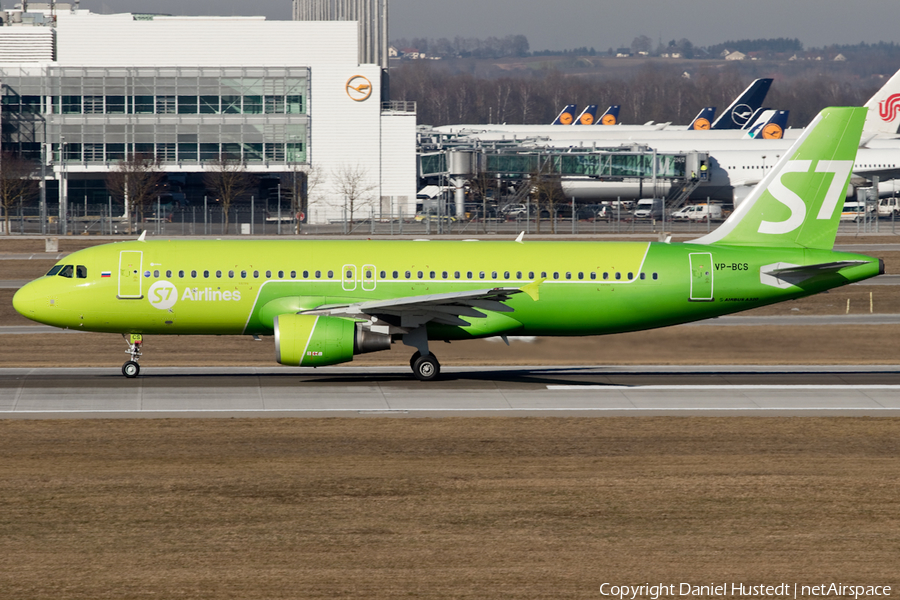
503	391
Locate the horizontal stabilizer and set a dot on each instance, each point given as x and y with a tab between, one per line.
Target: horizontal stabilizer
783	275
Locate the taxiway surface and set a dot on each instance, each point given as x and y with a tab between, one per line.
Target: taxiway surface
392	391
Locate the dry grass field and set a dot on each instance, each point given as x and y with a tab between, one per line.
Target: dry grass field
488	508
423	508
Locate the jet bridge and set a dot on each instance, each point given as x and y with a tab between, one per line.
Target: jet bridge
586	174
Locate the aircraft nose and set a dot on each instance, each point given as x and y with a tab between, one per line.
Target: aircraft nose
24	301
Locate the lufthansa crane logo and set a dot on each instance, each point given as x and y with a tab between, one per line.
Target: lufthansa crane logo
772	131
359	88
701	123
565	118
587	119
608	119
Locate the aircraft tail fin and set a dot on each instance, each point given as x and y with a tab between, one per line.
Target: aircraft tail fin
884	108
769	126
567	116
611	116
587	116
743	107
704	118
798	203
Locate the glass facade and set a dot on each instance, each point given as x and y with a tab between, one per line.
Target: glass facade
177	115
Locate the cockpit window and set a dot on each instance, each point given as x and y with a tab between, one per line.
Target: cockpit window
54	270
67	271
81	272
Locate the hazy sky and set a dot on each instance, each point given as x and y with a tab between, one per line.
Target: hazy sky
560	24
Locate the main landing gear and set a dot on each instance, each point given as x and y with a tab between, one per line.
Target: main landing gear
131	368
425	368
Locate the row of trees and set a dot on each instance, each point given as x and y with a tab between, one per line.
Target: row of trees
518	46
652	93
135	183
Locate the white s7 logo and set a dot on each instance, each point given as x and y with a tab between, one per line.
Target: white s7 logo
841	170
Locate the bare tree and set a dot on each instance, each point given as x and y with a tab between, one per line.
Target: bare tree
229	179
135	182
302	183
546	189
17	183
355	188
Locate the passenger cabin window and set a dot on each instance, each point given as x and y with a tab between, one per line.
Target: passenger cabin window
555	275
230	274
218	274
530	274
181	274
255	274
280	274
630	276
655	276
330	274
243	274
318	274
168	274
67	271
293	274
268	274
194	274
593	275
156	273
205	274
305	274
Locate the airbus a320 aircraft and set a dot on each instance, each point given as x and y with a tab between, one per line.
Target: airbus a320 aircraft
326	301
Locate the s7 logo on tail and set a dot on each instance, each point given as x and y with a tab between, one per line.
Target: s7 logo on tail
841	171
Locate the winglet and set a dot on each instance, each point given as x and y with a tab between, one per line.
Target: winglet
521	237
143	237
533	289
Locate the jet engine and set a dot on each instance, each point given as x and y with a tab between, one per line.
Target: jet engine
315	341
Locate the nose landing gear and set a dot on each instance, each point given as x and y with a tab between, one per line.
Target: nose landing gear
131	368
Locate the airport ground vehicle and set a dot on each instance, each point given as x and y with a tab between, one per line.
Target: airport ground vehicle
889	208
649	208
854	211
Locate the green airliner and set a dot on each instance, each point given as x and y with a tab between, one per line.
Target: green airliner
326	301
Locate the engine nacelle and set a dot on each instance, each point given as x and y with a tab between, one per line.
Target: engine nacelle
315	341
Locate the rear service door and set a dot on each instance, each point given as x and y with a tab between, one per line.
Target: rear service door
701	277
130	264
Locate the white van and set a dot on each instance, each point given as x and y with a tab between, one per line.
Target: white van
648	208
889	207
683	213
702	212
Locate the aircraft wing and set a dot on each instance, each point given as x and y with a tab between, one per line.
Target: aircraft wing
445	309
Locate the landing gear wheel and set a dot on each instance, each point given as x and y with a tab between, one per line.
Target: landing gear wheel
426	368
413	359
131	369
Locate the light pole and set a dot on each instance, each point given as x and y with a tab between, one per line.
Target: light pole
63	187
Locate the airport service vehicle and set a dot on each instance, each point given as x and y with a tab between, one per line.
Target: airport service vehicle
889	207
854	211
702	212
649	208
327	301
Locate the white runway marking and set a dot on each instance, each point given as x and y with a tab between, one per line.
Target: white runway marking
786	388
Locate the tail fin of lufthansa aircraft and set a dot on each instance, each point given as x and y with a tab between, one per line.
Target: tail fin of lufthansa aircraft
611	116
587	116
884	108
738	114
769	126
704	118
567	116
798	203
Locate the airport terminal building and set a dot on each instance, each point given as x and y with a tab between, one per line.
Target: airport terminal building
83	91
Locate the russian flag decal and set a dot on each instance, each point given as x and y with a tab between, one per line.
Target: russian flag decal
106	274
